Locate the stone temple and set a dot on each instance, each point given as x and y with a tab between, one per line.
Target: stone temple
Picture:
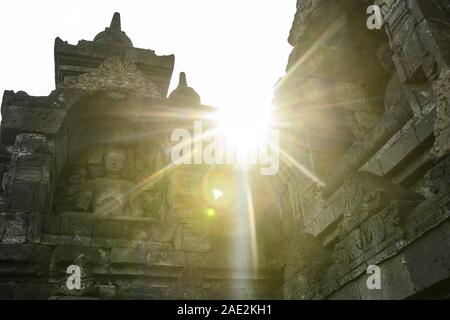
87	179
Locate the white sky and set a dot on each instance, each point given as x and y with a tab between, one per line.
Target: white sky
230	49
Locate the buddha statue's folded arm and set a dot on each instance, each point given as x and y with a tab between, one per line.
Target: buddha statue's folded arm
136	204
84	199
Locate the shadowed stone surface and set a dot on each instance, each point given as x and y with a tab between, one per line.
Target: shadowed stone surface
384	114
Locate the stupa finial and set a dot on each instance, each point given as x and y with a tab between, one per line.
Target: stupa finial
115	22
182	82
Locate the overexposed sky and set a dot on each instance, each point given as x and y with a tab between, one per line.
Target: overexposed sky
230	49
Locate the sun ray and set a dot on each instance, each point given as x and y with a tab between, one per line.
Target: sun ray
329	33
302	168
251	222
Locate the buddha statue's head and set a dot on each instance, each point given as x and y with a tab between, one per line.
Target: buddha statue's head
114	161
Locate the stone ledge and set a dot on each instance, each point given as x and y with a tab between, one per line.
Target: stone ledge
420	265
401	145
87	215
31	119
82	224
28	253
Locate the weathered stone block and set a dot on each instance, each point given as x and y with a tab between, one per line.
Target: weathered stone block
23	269
192	238
164	257
15	228
37	120
7	290
2	225
29	197
127	270
49	240
34	231
24	259
163	232
26	253
127	256
52	225
349	292
74	240
28	144
428	259
141	231
33	171
106	291
111	243
112	229
208	260
77	226
401	145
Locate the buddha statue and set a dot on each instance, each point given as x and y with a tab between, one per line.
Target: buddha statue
111	195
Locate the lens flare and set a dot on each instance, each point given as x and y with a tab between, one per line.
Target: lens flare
217	194
210	212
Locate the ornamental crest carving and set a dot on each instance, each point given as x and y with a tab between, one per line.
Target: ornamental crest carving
442	126
116	76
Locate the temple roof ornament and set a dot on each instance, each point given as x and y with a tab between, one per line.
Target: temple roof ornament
85	56
114	34
183	94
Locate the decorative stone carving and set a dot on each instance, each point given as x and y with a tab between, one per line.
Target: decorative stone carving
442	125
118	77
370	210
364	195
307	11
30	173
352	206
373	235
306	265
437	181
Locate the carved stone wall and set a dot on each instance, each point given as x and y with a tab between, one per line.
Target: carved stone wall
382	192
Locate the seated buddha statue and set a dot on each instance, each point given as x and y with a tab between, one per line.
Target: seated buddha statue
110	195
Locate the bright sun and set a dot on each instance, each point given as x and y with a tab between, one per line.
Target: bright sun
245	128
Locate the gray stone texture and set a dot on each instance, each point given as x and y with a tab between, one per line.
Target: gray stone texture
85	178
396	217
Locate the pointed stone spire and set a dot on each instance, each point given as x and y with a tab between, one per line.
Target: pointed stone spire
182	82
183	94
115	22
